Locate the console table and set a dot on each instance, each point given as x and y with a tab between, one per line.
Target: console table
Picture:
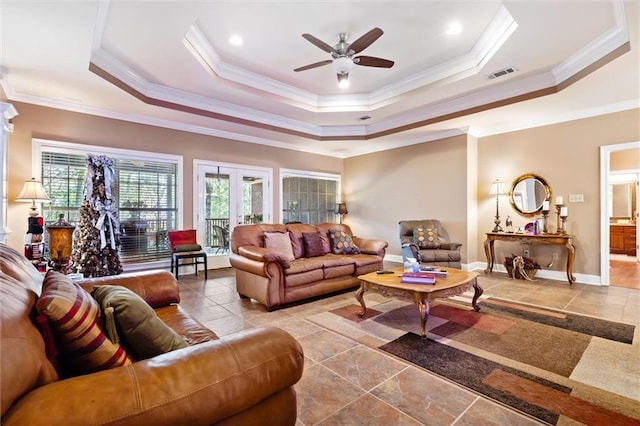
558	239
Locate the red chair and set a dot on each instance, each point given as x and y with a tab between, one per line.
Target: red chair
184	246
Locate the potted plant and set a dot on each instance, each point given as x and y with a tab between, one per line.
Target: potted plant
528	264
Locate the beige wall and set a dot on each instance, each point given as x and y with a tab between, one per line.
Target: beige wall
446	179
625	160
46	123
567	155
425	181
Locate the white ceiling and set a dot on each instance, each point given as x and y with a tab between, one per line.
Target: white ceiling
169	63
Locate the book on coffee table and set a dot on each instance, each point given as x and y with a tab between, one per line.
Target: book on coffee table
436	272
418	278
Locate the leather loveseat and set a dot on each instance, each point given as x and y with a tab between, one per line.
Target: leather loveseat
266	275
243	378
441	251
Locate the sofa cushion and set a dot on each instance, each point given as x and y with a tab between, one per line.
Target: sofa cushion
136	323
74	315
341	242
312	244
426	238
279	242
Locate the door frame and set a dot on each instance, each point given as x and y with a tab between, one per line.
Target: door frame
605	171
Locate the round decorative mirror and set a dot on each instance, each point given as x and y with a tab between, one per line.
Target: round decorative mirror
528	192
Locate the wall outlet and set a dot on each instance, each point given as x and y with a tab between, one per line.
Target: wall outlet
526	253
555	256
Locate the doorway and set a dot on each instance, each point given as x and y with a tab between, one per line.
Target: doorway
617	270
227	195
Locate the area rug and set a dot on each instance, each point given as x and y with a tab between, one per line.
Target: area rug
519	355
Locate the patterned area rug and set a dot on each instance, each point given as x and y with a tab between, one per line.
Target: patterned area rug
519	355
559	367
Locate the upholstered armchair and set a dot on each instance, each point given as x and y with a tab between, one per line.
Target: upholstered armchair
428	242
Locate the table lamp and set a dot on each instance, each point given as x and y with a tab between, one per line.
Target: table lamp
497	189
341	209
33	191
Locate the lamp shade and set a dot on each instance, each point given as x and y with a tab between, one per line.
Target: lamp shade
33	191
497	188
341	208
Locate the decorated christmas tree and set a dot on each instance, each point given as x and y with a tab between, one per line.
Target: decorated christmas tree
96	239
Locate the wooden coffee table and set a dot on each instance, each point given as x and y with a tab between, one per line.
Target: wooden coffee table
456	282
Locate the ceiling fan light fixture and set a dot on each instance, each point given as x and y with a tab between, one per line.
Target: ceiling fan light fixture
343	80
342	65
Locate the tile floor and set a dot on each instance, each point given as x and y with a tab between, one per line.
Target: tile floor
348	382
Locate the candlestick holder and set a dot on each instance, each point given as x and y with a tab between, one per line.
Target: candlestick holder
545	216
558	224
564	225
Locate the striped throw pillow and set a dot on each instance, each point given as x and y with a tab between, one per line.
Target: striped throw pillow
74	317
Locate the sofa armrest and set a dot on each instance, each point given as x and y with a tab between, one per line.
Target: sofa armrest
262	254
157	288
371	246
450	246
201	384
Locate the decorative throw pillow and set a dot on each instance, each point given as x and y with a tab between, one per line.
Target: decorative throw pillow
129	317
312	244
341	242
426	238
279	242
326	244
73	315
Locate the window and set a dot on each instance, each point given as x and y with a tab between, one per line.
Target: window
309	197
146	187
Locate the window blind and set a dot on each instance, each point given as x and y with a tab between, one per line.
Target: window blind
146	194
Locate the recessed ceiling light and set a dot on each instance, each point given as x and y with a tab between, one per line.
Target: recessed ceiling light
235	40
454	28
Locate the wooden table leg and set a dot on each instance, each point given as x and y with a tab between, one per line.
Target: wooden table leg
360	298
571	255
489	253
476	295
423	306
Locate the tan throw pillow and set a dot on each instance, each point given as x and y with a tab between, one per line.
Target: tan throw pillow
279	242
136	323
341	242
312	244
426	238
74	316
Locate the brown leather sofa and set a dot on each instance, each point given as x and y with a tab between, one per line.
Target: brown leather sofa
446	254
265	275
244	378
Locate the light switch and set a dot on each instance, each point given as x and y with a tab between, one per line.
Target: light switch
576	198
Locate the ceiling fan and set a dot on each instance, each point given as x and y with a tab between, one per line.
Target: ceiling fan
342	54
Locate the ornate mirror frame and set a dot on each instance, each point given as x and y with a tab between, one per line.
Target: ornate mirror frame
528	192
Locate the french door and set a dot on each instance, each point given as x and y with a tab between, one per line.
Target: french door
228	195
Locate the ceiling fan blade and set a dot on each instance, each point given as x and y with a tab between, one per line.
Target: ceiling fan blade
370	61
314	65
365	40
319	43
